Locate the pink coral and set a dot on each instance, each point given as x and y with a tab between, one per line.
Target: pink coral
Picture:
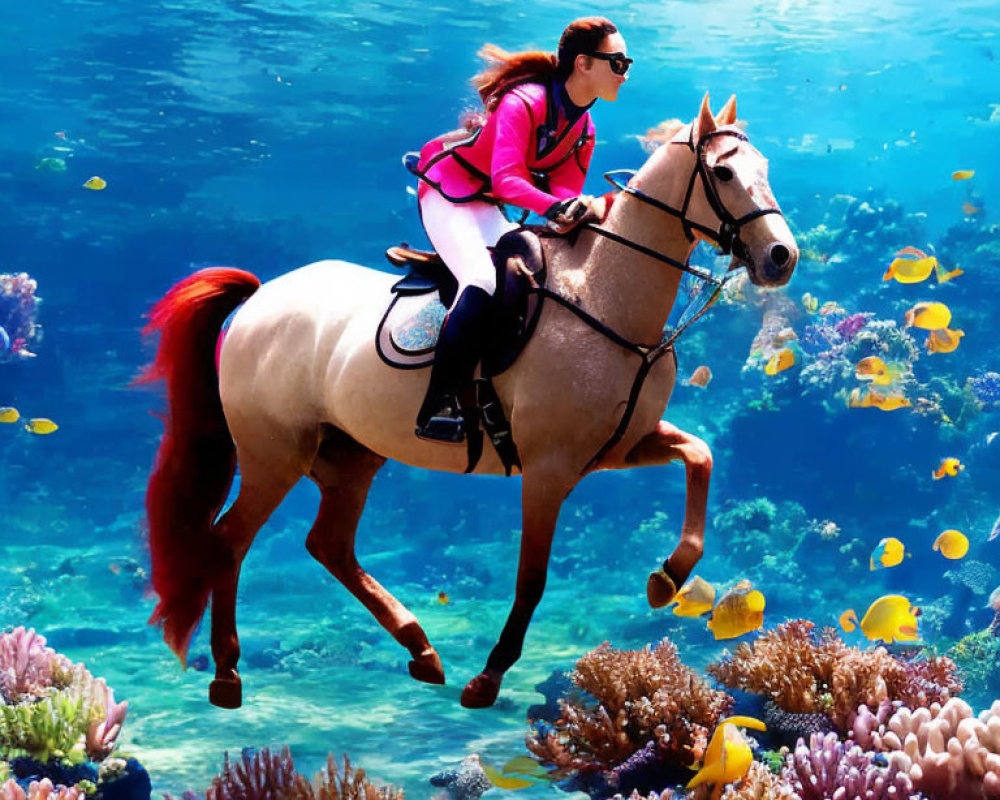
28	668
947	751
39	790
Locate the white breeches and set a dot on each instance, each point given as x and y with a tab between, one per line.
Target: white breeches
461	232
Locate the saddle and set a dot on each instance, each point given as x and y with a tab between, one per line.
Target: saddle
407	334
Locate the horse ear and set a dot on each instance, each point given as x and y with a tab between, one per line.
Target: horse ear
727	116
705	123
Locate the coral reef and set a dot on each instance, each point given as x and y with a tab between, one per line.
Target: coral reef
808	673
828	768
39	790
265	775
642	697
947	751
53	709
985	390
18	311
978	658
976	576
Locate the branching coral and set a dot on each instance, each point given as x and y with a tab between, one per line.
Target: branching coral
263	775
806	673
28	669
947	751
642	696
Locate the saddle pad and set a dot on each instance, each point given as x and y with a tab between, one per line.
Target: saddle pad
409	330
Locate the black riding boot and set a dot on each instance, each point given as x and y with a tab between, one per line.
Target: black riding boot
459	348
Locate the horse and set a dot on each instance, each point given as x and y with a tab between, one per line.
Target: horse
296	389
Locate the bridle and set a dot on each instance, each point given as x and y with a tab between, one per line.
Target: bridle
727	237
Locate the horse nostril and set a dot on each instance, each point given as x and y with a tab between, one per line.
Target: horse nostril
779	255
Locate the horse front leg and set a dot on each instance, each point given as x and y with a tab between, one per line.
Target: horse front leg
542	496
670	443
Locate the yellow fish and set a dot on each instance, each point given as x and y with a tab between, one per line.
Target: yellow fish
522	765
887	553
943	341
728	756
810	303
780	361
443	598
910	270
873	369
890	402
740	611
952	544
944	277
962	174
8	414
848	620
695	598
929	316
96	183
41	426
502	781
949	466
891	618
700	377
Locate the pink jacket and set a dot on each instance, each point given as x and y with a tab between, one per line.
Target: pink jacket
527	154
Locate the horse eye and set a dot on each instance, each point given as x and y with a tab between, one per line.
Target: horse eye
722	173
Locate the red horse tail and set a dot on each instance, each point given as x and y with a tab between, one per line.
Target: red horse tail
196	461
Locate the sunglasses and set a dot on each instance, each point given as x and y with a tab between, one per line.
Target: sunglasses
617	61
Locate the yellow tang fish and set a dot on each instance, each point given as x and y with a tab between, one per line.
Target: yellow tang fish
873	369
952	544
780	361
700	377
509	782
949	466
962	174
523	765
890	402
740	611
728	756
943	341
848	620
810	303
891	618
929	316
887	553
909	270
8	414
443	598
695	598
95	184
41	426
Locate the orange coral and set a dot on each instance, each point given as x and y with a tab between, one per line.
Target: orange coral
806	673
642	696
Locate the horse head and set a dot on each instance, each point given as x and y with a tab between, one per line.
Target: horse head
711	177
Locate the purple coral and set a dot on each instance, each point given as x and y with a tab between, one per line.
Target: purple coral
849	326
258	775
986	389
829	768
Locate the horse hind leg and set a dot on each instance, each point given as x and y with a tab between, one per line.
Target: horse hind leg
264	483
344	471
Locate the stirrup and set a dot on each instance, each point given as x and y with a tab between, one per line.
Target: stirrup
447	425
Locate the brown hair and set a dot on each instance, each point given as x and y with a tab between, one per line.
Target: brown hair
507	70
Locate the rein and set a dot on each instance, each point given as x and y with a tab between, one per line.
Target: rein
728	239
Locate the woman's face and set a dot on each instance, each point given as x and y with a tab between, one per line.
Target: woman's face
603	80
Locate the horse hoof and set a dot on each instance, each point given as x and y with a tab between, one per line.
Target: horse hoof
660	589
427	667
480	692
226	692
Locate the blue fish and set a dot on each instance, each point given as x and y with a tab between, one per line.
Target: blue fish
995	533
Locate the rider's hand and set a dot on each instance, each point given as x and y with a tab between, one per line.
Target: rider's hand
567	214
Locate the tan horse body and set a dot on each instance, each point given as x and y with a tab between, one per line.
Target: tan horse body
304	392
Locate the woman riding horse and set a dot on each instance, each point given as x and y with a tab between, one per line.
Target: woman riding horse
531	150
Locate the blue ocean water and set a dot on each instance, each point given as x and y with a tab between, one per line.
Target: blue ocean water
268	135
